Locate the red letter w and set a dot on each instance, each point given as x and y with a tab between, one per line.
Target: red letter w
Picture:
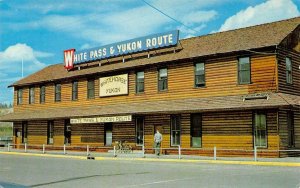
69	58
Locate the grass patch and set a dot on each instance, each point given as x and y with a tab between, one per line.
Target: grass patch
6	129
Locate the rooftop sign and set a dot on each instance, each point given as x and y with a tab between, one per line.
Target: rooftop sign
146	43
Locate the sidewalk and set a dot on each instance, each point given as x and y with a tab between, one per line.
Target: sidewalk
138	156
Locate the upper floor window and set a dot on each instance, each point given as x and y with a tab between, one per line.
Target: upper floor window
31	95
91	89
19	96
288	66
244	70
139	82
42	94
74	90
57	92
199	75
162	79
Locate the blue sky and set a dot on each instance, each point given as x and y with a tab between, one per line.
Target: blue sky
38	31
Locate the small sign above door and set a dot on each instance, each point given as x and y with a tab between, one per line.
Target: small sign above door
102	119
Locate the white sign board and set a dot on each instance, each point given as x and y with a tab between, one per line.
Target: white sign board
114	85
105	119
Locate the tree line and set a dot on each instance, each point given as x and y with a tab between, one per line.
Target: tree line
4	105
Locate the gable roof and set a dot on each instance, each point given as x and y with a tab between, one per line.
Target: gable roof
254	37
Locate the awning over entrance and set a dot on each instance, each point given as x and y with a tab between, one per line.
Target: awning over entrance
209	104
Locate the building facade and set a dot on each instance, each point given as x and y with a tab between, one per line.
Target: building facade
232	90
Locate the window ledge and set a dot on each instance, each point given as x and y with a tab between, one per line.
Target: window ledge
163	91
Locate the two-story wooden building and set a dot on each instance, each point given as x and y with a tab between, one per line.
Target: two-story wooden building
233	90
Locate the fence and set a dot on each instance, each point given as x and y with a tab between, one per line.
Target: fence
175	152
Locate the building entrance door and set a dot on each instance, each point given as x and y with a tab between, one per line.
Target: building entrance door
108	134
67	132
17	140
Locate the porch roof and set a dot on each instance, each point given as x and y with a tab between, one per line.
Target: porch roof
199	105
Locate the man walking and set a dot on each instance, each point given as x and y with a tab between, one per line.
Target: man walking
157	142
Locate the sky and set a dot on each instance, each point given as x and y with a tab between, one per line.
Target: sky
36	32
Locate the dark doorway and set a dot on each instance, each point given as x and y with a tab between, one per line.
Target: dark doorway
108	134
68	132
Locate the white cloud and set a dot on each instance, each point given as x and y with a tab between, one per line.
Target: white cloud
85	46
268	11
39	54
197	17
112	22
12	57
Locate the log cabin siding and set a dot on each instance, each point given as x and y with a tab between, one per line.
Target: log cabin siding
283	129
284	87
297	127
221	80
217	129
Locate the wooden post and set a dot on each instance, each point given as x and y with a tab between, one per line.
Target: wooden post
255	153
143	151
115	151
215	153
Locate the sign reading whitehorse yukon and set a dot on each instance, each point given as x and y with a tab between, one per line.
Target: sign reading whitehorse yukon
114	85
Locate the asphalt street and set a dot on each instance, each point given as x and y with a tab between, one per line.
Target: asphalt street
63	172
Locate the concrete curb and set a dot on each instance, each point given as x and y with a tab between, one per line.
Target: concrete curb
257	163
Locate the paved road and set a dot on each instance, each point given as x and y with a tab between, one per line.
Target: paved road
59	172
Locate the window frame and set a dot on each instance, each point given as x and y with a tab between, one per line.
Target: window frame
239	71
50	132
138	132
162	80
255	130
288	73
90	89
19	96
57	92
31	95
75	90
178	123
192	130
139	81
199	85
42	94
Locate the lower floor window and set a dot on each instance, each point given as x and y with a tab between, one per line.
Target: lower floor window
260	130
291	129
139	131
50	132
196	130
175	130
